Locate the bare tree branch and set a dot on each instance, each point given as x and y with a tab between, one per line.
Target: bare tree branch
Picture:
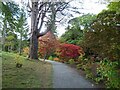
43	33
28	5
63	13
59	20
42	4
45	21
62	7
43	16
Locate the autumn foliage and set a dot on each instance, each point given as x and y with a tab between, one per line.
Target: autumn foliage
26	50
47	44
68	51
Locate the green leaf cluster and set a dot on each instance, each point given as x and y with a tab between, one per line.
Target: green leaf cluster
109	73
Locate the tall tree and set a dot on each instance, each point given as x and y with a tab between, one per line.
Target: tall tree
39	11
10	41
76	28
9	14
72	35
21	28
47	45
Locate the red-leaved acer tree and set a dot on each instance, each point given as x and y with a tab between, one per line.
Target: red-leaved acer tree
47	44
68	51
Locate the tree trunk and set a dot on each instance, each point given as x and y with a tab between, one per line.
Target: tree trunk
11	48
45	57
53	19
20	47
34	47
34	40
3	35
20	43
35	29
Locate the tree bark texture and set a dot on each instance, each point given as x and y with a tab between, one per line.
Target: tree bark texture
34	47
34	39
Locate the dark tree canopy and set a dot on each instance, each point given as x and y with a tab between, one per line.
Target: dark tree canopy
104	35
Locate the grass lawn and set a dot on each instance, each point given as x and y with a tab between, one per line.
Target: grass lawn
32	74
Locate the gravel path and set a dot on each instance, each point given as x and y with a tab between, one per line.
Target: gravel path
66	77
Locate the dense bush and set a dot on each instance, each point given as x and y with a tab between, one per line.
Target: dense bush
69	51
56	59
109	73
103	35
19	60
71	61
50	58
104	71
47	45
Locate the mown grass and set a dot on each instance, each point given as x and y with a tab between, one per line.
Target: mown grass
32	74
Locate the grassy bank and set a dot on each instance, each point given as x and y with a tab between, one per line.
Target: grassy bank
32	74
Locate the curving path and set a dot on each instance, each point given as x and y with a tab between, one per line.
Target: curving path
66	77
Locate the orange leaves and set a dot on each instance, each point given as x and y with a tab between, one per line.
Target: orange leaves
56	59
26	50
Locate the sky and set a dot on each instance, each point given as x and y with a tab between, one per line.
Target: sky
89	6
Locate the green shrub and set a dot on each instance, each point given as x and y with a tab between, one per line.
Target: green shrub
109	73
50	58
87	70
88	73
18	59
79	66
71	61
80	58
